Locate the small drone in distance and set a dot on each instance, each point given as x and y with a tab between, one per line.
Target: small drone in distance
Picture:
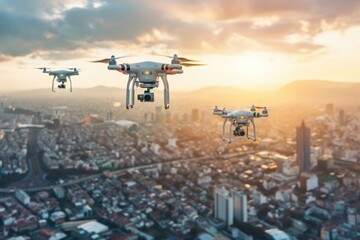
240	119
62	76
146	75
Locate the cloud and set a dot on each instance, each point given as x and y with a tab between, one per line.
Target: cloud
49	28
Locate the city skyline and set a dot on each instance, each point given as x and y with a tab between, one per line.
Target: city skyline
156	174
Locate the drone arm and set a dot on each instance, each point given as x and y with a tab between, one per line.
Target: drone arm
166	91
53	83
116	67
254	130
70	83
223	131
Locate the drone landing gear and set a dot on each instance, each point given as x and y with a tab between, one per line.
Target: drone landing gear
223	132
53	84
253	137
70	83
130	94
166	91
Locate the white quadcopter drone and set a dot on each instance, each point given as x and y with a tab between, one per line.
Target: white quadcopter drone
146	75
61	76
239	119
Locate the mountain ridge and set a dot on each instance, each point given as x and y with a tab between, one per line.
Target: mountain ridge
307	91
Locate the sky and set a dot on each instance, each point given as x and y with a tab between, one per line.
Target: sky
250	44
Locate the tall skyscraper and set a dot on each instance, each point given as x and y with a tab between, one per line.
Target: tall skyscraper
159	114
303	148
109	116
148	117
240	206
329	109
38	118
341	116
224	206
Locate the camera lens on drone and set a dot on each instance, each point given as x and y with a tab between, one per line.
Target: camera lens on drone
147	98
242	133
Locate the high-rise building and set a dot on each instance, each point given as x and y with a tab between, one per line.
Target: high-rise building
195	115
308	182
168	116
329	232
240	206
325	162
147	117
329	109
341	116
109	116
303	148
159	114
224	206
38	118
351	216
22	196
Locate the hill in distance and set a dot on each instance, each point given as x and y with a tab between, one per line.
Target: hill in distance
300	91
318	91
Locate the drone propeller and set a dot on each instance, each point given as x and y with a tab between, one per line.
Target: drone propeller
75	69
257	107
186	62
181	59
216	108
44	69
219	110
192	64
106	60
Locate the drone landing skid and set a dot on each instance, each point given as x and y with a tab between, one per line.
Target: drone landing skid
230	132
253	137
70	83
53	84
130	94
166	91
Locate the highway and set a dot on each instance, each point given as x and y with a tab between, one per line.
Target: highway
76	181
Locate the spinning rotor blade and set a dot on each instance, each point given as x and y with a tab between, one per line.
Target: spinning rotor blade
216	108
257	107
181	59
74	69
192	64
106	60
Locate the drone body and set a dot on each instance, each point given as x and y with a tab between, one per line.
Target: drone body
61	76
240	119
146	75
